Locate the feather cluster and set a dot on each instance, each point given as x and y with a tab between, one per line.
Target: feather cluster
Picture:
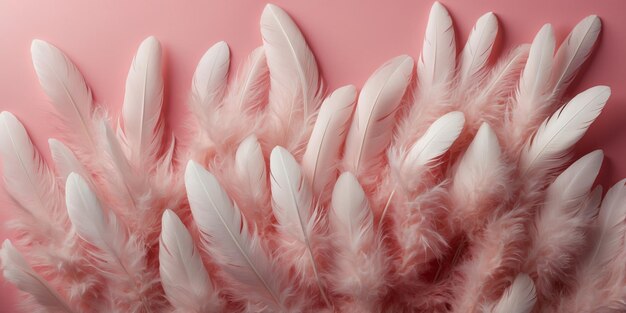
443	185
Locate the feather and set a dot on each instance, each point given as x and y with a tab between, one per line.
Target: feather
327	139
573	52
16	270
533	93
293	69
141	112
561	225
119	257
372	124
480	180
66	88
209	80
228	240
30	182
436	66
477	50
293	208
519	298
250	169
610	227
65	162
360	262
185	281
250	88
558	133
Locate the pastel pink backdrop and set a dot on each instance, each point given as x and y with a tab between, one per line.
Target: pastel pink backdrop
350	38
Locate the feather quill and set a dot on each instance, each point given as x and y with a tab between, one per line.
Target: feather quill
556	135
327	139
228	240
185	281
16	270
372	124
520	297
66	88
573	52
141	112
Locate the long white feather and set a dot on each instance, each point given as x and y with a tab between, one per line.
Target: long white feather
477	50
28	179
610	232
250	168
225	235
17	271
185	281
331	127
66	88
359	263
534	81
520	297
293	69
436	66
209	80
141	112
372	124
559	132
573	52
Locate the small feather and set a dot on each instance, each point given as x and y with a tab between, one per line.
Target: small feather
477	50
520	297
65	161
209	79
436	66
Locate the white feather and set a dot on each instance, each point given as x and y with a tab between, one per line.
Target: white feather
477	50
534	81
609	236
436	66
573	52
372	124
251	171
209	79
250	87
331	126
520	297
66	88
293	69
185	281
558	133
16	270
436	141
141	112
65	162
573	184
226	237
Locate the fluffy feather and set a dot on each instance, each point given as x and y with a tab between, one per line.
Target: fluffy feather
66	88
141	112
250	91
118	256
16	270
359	262
185	281
253	275
573	52
520	297
558	133
371	128
474	57
209	81
327	139
65	162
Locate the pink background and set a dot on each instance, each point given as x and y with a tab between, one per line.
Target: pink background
351	38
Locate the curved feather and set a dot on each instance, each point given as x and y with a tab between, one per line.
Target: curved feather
225	235
293	69
610	232
436	66
520	297
250	87
575	182
573	52
65	162
141	112
534	81
558	133
436	141
331	126
477	50
119	257
66	88
185	281
372	124
209	79
16	270
250	168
